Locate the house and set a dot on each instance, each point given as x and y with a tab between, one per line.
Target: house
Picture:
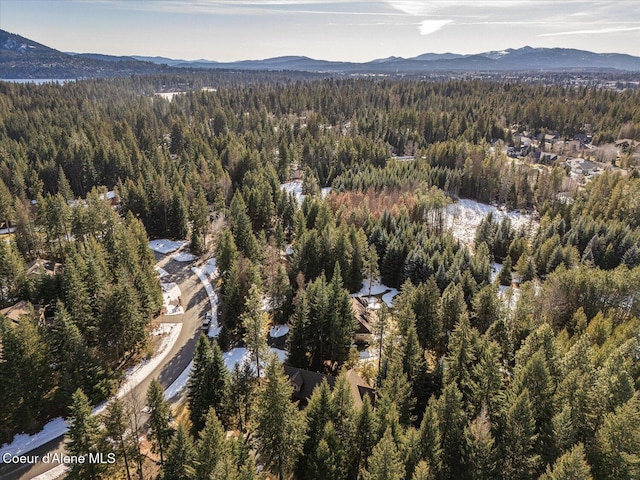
545	158
41	267
15	312
365	319
304	382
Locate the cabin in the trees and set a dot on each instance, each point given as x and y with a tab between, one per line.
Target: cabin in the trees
304	383
365	319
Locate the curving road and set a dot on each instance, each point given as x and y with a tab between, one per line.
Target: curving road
195	302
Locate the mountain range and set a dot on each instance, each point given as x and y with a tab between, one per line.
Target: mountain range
23	58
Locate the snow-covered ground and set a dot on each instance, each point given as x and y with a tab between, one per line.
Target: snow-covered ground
496	268
325	191
206	274
4	231
185	257
57	427
295	187
241	355
161	272
54	473
377	288
165	246
170	294
463	218
179	383
278	331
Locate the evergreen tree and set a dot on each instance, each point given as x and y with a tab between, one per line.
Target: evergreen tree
298	341
505	274
208	383
279	427
160	419
451	421
519	460
570	466
254	322
385	462
480	448
211	447
83	438
226	251
430	440
365	436
115	422
181	458
317	413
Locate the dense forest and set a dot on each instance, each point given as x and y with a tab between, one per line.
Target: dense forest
532	373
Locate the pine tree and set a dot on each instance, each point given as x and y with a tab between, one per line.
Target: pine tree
317	413
279	427
365	436
518	440
181	458
254	322
480	448
226	251
423	472
298	341
241	394
385	462
83	438
570	466
160	419
430	440
451	421
115	422
208	383
505	274
211	448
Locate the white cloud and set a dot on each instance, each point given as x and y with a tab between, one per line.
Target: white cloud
428	27
592	32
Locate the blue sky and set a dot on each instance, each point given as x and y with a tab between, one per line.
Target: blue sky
354	30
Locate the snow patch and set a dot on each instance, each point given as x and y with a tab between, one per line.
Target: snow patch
496	268
206	274
54	473
185	257
278	331
377	289
171	293
166	246
295	187
179	383
241	355
463	218
325	191
4	231
161	272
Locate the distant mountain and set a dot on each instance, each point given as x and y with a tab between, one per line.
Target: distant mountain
522	59
24	58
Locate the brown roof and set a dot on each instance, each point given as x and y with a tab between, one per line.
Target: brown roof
307	381
363	314
14	312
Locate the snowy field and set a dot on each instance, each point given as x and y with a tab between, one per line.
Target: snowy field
463	218
57	427
166	246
